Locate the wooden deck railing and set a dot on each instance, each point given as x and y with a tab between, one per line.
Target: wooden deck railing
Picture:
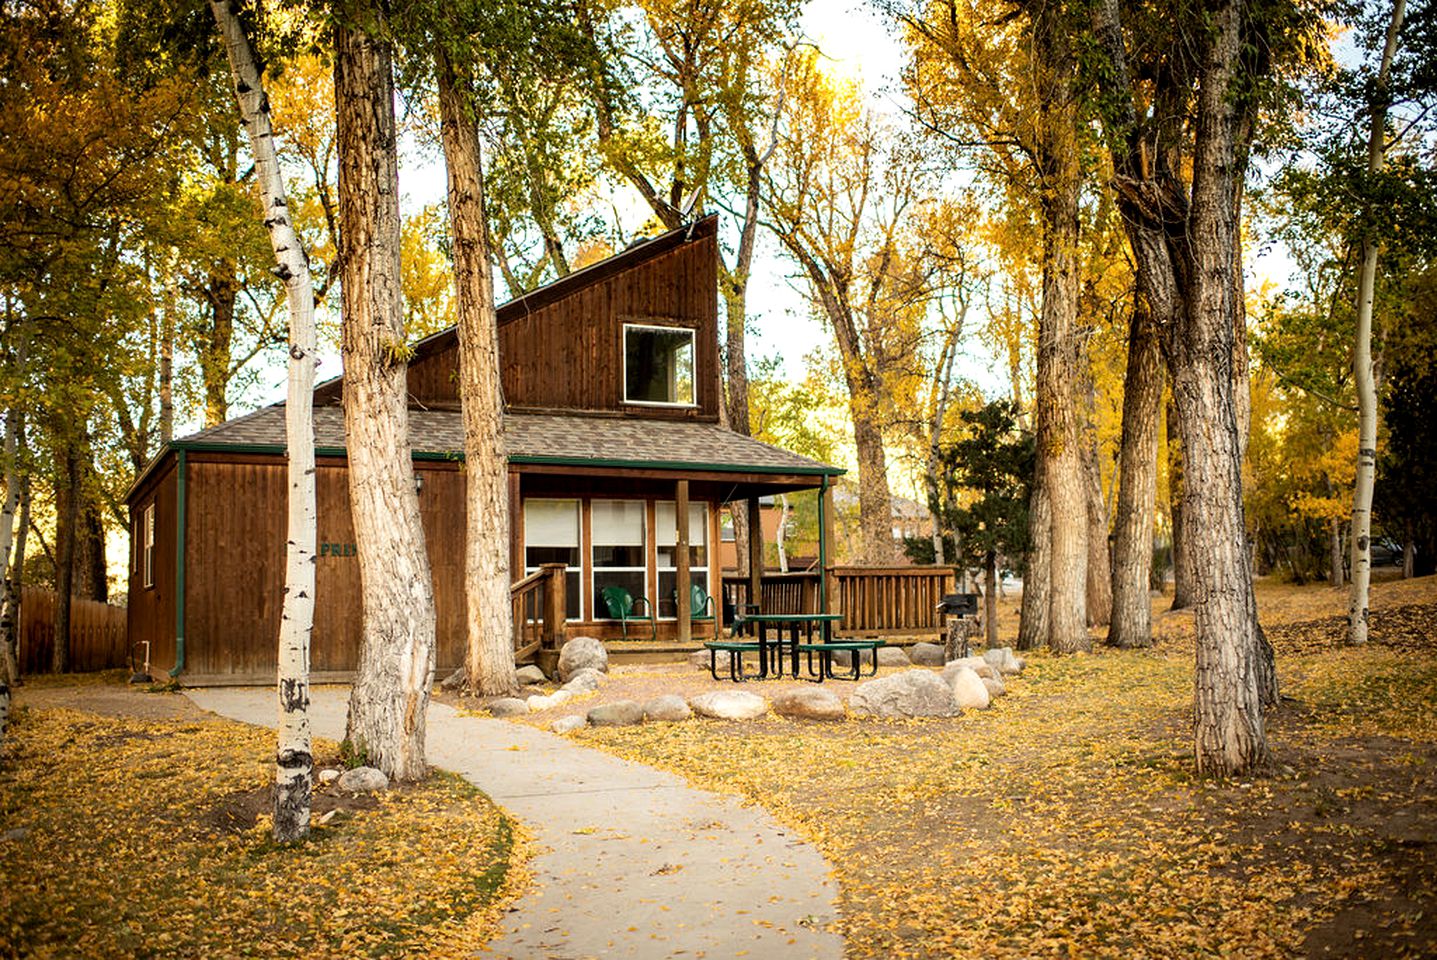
874	601
98	633
890	600
538	604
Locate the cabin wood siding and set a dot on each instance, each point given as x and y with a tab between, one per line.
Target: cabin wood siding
568	354
151	610
236	549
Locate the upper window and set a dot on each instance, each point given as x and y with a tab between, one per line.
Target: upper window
658	365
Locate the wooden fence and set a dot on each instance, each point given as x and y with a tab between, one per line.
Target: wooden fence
874	601
538	606
99	639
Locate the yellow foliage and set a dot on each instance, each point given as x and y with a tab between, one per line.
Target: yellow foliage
118	858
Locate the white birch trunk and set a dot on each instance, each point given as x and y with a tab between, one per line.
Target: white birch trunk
779	539
1361	538
294	752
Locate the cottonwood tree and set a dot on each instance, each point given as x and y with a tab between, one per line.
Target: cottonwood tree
1180	187
389	701
1008	85
489	658
841	188
294	754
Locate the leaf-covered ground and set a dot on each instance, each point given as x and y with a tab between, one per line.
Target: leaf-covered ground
1065	821
129	837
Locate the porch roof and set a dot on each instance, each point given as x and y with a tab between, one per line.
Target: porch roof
537	439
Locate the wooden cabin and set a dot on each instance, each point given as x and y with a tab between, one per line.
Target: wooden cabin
612	394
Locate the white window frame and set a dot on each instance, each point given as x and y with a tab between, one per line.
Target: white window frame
147	527
600	609
693	349
579	548
659	544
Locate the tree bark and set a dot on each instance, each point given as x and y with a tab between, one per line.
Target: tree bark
1131	622
1229	733
222	292
1361	536
294	758
489	652
10	615
1181	561
67	509
1059	351
1099	588
1033	613
390	697
1336	575
990	598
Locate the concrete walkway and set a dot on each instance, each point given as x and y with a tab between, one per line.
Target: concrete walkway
633	863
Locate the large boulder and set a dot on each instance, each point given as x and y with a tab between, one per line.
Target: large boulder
584	681
892	657
508	707
926	655
1003	660
995	687
669	708
977	664
582	653
619	713
700	659
529	673
568	724
968	689
729	705
538	703
912	693
363	780
809	703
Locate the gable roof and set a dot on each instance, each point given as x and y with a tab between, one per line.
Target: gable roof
535	438
521	306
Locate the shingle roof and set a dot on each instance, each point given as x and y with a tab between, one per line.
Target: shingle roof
543	438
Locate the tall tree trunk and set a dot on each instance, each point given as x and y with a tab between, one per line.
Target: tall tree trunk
1131	622
390	697
167	373
222	293
990	598
1181	561
294	750
489	653
67	510
781	534
1033	613
1229	733
1059	350
1099	591
1361	536
875	504
1336	575
10	615
16	500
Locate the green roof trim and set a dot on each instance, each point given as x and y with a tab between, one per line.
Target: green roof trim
457	456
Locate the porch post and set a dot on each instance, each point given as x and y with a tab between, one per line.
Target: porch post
755	555
828	602
516	529
681	559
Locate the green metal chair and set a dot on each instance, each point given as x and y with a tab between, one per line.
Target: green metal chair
701	606
621	605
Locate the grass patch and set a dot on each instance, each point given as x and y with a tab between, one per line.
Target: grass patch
139	838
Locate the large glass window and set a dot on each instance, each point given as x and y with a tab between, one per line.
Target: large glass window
667	537
551	535
616	528
658	365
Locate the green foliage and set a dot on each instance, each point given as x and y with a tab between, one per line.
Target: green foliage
989	470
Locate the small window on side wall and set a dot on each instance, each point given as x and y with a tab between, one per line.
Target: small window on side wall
147	527
658	365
